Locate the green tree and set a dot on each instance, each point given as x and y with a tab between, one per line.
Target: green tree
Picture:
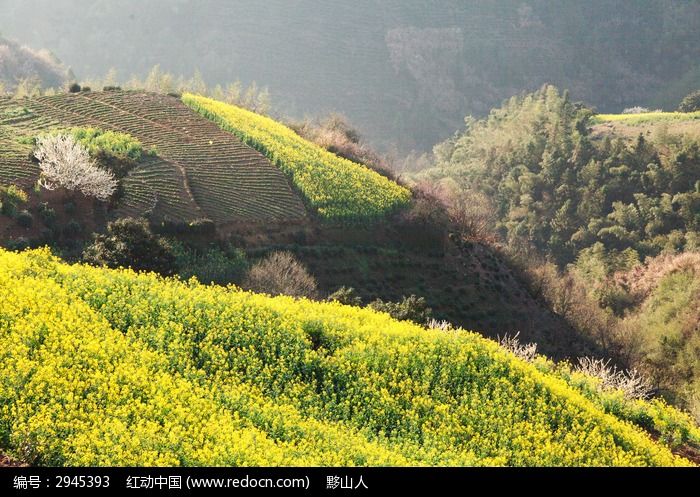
556	192
691	102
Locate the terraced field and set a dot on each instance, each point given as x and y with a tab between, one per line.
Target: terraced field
14	164
200	172
336	188
651	125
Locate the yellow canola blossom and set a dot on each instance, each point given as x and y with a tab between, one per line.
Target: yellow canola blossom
111	367
338	189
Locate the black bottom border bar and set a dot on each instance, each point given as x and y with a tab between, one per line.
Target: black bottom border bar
327	481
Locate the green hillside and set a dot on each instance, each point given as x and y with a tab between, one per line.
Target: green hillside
112	367
664	309
580	199
197	170
562	185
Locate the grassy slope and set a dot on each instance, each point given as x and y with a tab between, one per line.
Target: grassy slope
667	318
109	367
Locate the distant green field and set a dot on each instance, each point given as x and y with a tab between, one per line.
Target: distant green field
646	118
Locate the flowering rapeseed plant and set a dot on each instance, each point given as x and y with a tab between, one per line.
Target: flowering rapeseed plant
337	188
112	367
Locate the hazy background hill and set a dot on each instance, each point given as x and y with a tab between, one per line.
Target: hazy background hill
20	63
407	71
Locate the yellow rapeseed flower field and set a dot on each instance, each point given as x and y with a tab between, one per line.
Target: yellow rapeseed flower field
111	367
338	189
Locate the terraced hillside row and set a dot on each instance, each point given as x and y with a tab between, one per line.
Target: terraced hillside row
338	189
14	157
647	117
654	125
154	188
163	372
201	171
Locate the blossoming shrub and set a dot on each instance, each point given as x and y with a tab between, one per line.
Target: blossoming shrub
113	367
339	189
66	163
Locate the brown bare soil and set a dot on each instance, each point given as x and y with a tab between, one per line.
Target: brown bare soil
690	453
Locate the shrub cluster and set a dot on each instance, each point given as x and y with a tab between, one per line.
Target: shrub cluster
411	308
130	243
11	197
281	274
691	102
211	265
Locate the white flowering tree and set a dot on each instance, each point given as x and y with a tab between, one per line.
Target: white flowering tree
66	163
